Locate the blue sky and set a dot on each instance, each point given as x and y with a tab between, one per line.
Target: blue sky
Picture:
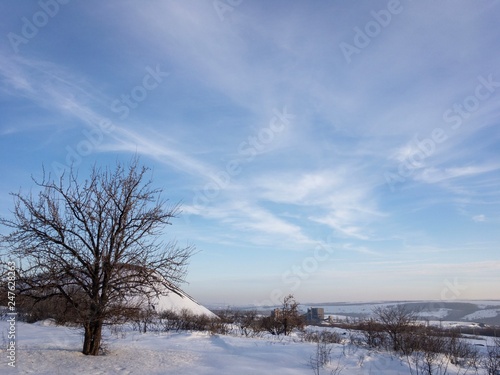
339	151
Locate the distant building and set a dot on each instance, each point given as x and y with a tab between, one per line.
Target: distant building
276	313
315	315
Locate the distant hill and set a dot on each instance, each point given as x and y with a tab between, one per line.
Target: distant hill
487	312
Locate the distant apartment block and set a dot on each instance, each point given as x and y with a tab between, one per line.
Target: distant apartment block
315	315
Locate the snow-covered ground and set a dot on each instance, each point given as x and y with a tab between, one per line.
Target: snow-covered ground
43	348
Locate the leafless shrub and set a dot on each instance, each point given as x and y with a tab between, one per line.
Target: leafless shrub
433	350
373	333
285	319
118	331
354	338
339	367
321	336
218	327
462	354
491	360
247	323
434	361
185	320
361	360
321	357
397	322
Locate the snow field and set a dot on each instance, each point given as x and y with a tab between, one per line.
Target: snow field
47	349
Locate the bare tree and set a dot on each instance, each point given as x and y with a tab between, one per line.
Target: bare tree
491	361
373	332
96	244
397	321
285	319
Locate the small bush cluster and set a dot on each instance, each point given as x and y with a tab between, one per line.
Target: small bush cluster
242	322
285	319
328	337
322	355
491	362
31	311
239	322
183	320
428	350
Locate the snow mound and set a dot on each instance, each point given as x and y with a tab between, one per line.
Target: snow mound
165	296
177	301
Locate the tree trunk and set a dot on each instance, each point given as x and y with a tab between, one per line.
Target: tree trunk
92	339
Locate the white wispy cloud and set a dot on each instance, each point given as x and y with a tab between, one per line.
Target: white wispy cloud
298	187
67	93
157	146
479	218
256	224
51	86
435	175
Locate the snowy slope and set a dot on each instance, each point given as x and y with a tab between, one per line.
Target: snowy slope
169	297
177	301
482	314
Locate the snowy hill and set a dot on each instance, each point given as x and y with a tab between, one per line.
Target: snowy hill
169	297
177	300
